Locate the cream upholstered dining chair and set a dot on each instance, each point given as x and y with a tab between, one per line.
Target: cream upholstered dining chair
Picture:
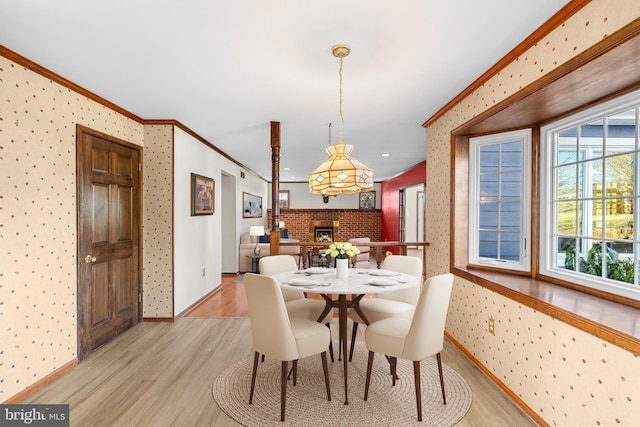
275	335
415	339
390	304
295	301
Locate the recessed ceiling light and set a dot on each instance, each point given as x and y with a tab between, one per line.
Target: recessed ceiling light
385	154
287	169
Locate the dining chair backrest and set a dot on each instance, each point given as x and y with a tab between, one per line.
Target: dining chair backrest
274	264
426	335
271	332
408	265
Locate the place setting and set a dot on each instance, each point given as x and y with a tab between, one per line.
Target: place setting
306	282
315	271
382	277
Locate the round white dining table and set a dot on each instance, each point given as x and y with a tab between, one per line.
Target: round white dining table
323	281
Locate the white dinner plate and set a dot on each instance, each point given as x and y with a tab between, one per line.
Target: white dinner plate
382	282
316	270
383	273
301	281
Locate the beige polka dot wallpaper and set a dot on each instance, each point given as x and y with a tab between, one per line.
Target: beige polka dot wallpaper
568	377
157	221
38	120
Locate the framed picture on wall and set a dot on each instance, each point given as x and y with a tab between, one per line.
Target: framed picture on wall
251	206
283	199
367	200
202	195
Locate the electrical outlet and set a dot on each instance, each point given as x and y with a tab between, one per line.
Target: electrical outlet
204	271
492	326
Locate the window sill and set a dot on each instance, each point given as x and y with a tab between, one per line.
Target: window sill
614	322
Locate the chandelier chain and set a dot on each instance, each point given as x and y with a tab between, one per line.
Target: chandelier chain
341	116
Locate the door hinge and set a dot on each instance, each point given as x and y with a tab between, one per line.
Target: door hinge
139	297
139	167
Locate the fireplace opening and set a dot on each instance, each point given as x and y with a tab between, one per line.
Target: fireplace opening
324	231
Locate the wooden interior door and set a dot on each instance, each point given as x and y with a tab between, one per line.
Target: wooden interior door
108	238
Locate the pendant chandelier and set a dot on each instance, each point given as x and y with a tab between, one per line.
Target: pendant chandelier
340	173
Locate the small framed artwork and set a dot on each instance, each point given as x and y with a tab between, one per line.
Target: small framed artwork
367	200
283	199
202	195
251	206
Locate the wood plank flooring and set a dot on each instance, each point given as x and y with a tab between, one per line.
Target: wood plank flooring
160	374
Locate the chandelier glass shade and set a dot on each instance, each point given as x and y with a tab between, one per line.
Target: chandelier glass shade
340	173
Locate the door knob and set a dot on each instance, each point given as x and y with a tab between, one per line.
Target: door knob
89	259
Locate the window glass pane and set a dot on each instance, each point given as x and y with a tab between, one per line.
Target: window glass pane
567	254
596	177
619	175
488	244
567	179
510	246
597	223
591	134
590	257
568	143
619	218
622	130
511	155
489	156
510	216
488	216
489	187
618	266
510	187
566	214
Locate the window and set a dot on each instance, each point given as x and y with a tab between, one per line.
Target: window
589	194
499	200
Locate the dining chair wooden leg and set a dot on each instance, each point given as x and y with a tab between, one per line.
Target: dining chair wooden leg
444	398
253	376
394	364
295	372
330	343
369	366
391	368
283	389
325	368
354	331
416	376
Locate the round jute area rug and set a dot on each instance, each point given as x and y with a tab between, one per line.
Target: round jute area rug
307	403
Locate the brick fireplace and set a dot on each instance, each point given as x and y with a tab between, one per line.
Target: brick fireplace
353	222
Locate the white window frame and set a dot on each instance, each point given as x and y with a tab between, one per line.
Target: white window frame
524	137
549	251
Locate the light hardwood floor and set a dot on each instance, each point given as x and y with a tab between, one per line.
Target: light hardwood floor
160	374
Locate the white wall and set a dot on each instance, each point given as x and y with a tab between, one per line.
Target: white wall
198	239
229	213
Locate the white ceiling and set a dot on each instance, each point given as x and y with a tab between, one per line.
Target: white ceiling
227	68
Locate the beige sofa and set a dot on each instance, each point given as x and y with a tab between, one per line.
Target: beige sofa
248	243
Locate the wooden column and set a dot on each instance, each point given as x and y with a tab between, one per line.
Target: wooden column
275	189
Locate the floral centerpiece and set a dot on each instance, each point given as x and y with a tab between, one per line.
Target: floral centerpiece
342	250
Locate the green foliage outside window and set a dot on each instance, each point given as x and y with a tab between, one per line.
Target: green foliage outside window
617	268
